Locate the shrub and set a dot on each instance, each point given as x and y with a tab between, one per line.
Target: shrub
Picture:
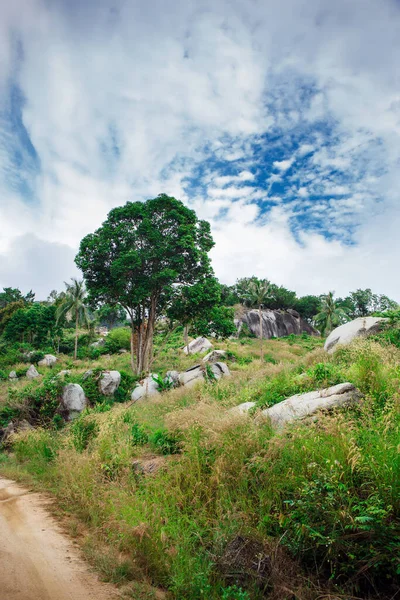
139	435
164	442
330	524
83	429
325	374
118	338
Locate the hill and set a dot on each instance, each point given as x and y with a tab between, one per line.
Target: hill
177	497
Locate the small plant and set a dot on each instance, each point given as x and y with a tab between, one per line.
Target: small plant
233	592
163	384
164	442
210	375
83	429
139	435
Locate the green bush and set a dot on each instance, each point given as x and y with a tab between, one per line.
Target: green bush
117	339
165	442
139	435
325	374
83	429
331	524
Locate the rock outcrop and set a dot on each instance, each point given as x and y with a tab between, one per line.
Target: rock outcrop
275	323
109	382
346	333
73	401
47	361
13	375
197	346
301	406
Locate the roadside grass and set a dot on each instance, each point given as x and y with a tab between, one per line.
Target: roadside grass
321	500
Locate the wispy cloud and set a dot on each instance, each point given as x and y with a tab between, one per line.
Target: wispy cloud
280	125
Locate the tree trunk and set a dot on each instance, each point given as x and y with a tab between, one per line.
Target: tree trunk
76	336
261	334
186	335
147	349
133	366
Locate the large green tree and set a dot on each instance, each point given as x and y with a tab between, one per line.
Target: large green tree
330	315
74	306
138	255
308	306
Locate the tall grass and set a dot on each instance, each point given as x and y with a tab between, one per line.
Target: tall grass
319	501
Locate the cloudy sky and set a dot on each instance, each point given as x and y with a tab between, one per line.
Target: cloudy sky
278	122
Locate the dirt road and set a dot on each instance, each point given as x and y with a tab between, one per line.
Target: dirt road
37	561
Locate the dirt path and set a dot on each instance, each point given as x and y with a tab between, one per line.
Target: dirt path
37	561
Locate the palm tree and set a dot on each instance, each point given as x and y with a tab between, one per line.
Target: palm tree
331	315
74	305
257	294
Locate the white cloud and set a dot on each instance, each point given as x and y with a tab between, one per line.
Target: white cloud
121	105
283	165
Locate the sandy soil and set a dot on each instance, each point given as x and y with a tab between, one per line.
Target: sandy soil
38	561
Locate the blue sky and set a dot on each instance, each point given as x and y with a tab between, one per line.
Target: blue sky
279	123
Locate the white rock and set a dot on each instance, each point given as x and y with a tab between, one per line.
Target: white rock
304	405
200	344
64	372
243	408
12	375
32	373
98	344
73	400
192	376
148	387
346	333
87	374
214	356
109	382
48	361
220	369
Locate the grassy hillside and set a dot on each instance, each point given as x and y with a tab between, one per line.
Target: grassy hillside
176	497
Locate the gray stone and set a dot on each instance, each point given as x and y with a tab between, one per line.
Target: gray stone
7	432
301	406
73	400
214	356
12	375
122	351
197	346
48	361
192	376
24	425
98	344
87	374
109	382
220	370
148	387
243	408
64	372
32	373
346	333
275	323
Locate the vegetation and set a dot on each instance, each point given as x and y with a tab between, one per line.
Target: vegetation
74	305
141	251
176	496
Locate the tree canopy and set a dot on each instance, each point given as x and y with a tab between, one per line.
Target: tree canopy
137	256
